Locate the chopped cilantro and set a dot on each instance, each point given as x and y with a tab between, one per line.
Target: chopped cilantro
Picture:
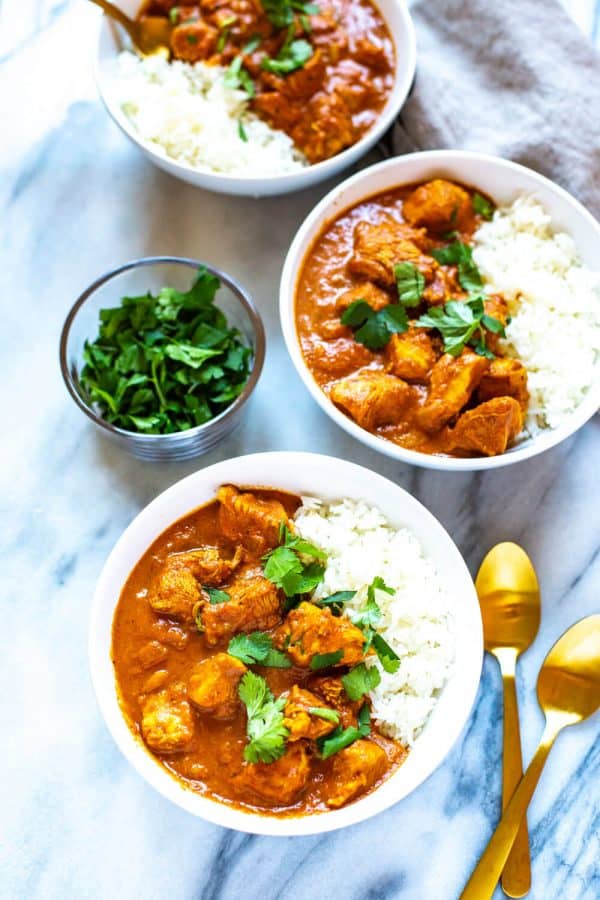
462	323
335	602
292	56
174	15
342	738
237	78
410	284
257	648
265	729
360	680
281	13
460	255
191	38
483	207
242	132
324	660
323	712
215	596
371	328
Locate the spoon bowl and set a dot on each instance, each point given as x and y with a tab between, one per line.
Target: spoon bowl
509	597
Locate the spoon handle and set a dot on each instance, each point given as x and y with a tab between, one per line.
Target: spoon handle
483	881
516	877
115	13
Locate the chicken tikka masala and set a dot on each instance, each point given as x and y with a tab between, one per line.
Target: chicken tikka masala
321	72
240	684
396	328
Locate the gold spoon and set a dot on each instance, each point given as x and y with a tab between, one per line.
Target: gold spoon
510	608
568	691
150	35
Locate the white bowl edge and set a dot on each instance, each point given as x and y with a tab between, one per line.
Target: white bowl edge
327	477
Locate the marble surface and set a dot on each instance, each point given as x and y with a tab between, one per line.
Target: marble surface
76	820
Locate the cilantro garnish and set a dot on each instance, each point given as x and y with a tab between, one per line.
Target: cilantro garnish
335	602
174	15
342	738
257	648
265	729
191	38
324	660
368	617
215	596
281	13
410	284
323	712
167	362
242	132
360	680
460	255
483	207
374	329
295	566
292	56
238	78
462	323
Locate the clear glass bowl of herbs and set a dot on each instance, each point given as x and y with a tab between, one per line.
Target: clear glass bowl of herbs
162	354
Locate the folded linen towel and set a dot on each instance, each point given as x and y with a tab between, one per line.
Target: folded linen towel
515	78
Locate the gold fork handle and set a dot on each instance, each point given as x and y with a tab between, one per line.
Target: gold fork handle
483	881
115	13
516	877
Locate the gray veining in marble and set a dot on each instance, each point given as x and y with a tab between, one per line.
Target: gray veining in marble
77	822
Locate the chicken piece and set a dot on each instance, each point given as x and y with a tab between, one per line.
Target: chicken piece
213	685
177	589
249	18
352	83
488	429
331	689
324	128
411	355
354	770
278	110
310	630
371	399
193	41
300	722
504	378
379	247
496	307
366	290
175	593
371	54
332	329
157	680
152	654
439	205
340	357
167	721
453	380
254	605
253	522
170	634
304	82
280	782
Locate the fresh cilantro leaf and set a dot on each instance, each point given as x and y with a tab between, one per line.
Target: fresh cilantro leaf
158	363
461	255
174	15
461	323
483	207
361	680
324	660
335	602
388	658
238	78
242	132
286	565
215	596
323	712
266	732
303	582
281	12
292	56
371	328
257	648
252	45
340	739
191	38
299	544
410	284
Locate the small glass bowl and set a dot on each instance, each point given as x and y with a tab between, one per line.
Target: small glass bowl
133	279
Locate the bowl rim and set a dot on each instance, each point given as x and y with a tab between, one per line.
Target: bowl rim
241	294
404	76
467	670
326	212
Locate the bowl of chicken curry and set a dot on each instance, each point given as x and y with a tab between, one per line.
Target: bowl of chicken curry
444	308
274	643
259	97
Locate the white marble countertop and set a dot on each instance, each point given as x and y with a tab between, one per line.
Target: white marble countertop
77	821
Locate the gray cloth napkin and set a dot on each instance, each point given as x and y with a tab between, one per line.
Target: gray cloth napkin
511	77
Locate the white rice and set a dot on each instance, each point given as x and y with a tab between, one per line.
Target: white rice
187	111
554	302
416	621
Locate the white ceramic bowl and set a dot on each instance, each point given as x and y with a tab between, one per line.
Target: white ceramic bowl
324	476
503	181
400	26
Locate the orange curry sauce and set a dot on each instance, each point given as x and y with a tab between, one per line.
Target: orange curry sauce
155	654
